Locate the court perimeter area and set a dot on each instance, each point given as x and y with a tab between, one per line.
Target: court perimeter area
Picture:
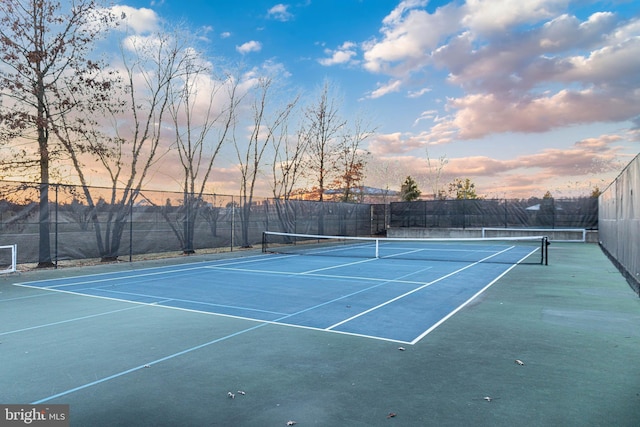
539	346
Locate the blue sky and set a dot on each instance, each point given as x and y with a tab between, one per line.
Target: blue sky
521	96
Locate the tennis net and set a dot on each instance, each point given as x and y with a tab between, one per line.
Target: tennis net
509	250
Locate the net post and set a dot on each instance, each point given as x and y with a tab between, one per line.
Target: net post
377	248
264	242
544	251
547	243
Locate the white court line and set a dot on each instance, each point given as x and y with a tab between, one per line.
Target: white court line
126	276
75	319
311	250
330	329
136	368
166	299
112	279
416	289
188	350
464	304
181	353
460	307
139	303
277	321
48	294
325	276
262	322
402	253
309	272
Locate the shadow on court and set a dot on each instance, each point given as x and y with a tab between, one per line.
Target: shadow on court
574	325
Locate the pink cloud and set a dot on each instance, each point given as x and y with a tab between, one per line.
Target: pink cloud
510	75
392	143
479	115
581	167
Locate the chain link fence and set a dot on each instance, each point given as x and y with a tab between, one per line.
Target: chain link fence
478	213
116	224
113	225
619	222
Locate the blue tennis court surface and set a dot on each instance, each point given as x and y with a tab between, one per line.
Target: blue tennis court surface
383	298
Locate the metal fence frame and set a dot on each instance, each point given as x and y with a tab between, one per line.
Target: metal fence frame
619	222
157	221
508	213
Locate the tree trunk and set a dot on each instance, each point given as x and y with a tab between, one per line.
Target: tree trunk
44	245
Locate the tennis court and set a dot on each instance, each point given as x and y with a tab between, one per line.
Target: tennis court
395	338
378	297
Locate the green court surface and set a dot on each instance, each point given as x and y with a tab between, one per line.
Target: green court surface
574	325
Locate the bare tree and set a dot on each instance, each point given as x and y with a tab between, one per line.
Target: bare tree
322	128
46	60
127	155
352	161
287	170
263	130
288	162
199	104
388	173
434	170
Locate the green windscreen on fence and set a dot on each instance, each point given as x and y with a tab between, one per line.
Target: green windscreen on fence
109	224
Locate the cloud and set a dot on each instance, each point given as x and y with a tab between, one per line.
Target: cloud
392	86
272	68
523	60
614	66
250	46
343	55
405	5
141	21
598	144
479	115
549	169
475	166
203	33
409	35
426	115
418	93
393	143
525	67
490	16
585	157
280	12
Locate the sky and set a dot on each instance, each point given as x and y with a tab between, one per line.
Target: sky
520	96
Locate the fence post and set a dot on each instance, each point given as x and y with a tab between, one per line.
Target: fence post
424	214
233	221
506	213
56	230
131	229
464	212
